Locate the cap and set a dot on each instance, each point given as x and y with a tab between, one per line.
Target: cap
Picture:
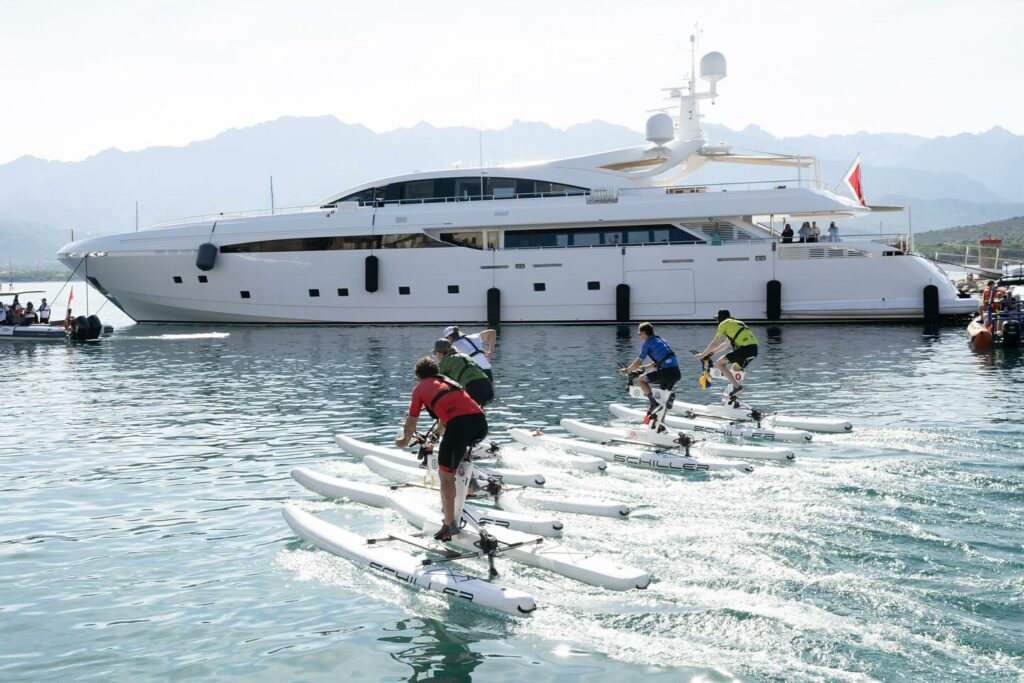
449	331
442	345
723	314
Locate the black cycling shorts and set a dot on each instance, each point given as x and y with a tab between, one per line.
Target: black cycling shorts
459	434
665	378
481	391
742	355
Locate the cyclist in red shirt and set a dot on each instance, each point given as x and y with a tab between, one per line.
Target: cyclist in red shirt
462	423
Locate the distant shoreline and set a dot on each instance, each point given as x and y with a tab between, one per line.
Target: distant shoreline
34	276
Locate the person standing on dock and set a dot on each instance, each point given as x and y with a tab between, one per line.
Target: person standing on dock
663	368
460	368
462	422
474	345
744	348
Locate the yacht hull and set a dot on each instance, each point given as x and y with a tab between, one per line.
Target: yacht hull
679	283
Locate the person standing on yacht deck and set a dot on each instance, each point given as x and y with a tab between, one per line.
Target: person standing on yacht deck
833	232
663	368
474	345
805	232
744	347
815	232
787	234
463	423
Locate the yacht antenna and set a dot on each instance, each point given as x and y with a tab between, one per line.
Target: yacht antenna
271	195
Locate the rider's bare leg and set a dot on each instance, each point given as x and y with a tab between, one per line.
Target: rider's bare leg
448	497
646	388
723	367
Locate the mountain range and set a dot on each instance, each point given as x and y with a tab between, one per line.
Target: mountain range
947	181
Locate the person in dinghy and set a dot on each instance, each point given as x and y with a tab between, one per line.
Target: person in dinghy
663	368
744	349
462	424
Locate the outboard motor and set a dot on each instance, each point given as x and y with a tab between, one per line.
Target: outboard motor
1011	333
95	327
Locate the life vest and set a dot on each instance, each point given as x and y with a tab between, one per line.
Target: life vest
670	354
443	387
467	365
739	331
476	349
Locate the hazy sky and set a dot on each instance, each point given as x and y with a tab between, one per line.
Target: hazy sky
81	76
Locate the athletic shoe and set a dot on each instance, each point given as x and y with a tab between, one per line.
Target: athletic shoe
445	533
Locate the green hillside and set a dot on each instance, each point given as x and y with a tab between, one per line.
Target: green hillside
1010	230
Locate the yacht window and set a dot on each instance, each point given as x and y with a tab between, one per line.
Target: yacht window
417	240
593	284
363	197
418	190
203	278
500	188
539	286
342	291
403	291
590	238
453	289
245	294
177	279
469	238
594	237
314	292
558	188
467	188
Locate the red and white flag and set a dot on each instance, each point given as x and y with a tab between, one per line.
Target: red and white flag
852	180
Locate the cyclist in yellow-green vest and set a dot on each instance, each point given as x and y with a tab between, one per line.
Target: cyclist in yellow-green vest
462	369
744	347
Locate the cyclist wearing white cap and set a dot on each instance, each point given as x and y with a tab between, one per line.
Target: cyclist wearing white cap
479	346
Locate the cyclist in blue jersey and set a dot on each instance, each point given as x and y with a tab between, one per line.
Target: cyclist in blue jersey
663	368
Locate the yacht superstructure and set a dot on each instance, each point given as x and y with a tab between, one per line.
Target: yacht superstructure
606	237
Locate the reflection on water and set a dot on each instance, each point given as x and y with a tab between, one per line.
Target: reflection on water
143	478
433	652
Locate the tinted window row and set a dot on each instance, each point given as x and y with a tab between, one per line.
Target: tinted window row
470	188
599	237
407	241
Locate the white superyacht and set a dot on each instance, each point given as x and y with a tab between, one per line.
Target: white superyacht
608	237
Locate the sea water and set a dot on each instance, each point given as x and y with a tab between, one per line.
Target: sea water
143	477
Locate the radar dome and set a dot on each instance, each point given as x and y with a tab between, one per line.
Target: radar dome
660	129
712	67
